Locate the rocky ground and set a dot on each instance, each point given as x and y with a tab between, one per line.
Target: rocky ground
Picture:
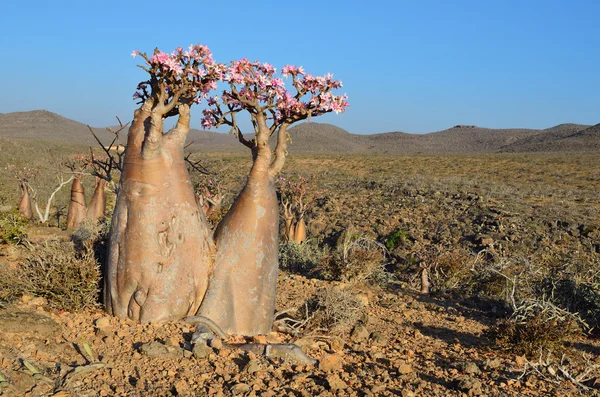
456	216
405	345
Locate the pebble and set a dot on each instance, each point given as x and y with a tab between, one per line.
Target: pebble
331	362
360	333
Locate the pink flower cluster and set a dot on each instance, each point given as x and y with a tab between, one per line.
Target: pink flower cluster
254	86
192	73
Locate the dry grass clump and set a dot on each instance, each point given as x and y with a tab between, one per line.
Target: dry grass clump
535	326
355	259
68	278
12	227
335	309
300	258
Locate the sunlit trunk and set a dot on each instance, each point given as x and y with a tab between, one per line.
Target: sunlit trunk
160	246
97	207
241	293
76	211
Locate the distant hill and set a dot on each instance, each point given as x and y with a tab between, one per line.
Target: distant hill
326	138
548	140
48	126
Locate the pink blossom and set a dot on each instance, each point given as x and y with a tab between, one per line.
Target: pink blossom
159	58
207	122
135	53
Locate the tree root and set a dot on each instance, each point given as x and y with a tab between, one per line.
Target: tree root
207	330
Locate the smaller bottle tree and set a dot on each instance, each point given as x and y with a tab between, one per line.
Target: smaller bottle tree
297	196
24	175
242	287
77	209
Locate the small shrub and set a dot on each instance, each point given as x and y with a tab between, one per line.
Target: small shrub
355	259
300	258
69	279
534	326
576	296
12	227
335	309
397	239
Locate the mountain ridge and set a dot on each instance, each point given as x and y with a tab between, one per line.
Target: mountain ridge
311	137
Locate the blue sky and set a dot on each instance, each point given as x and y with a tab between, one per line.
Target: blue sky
413	66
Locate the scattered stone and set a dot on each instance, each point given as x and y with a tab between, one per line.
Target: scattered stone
331	362
470	386
240	388
262	339
404	369
520	360
216	343
379	339
157	349
28	323
253	366
407	393
360	333
493	363
335	382
103	327
469	368
182	388
201	351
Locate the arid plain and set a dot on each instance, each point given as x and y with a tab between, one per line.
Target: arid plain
505	225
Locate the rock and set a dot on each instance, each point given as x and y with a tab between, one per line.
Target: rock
379	339
240	388
216	343
262	339
331	362
360	333
469	368
201	351
28	323
520	360
407	393
364	299
103	327
470	386
34	301
157	349
335	382
182	388
253	366
404	369
493	363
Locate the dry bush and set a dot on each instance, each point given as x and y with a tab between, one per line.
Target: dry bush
300	258
535	326
335	309
68	278
451	270
12	227
355	259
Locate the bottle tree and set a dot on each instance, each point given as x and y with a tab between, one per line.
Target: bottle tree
163	261
242	287
160	250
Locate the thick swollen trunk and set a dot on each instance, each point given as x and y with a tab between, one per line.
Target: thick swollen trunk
76	211
289	229
160	246
25	208
300	232
97	207
241	293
